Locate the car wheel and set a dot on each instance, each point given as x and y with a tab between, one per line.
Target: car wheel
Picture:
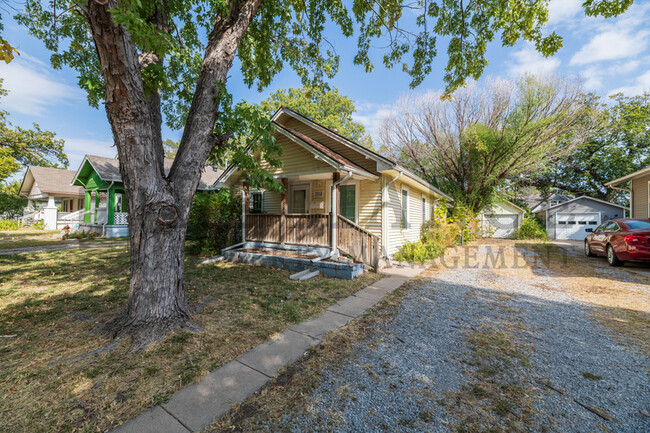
612	259
588	252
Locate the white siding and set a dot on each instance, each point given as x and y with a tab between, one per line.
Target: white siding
370	207
396	234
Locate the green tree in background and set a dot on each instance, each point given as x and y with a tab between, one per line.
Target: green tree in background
470	145
617	146
11	205
22	147
325	106
152	61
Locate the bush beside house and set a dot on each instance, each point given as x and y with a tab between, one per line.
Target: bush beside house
215	221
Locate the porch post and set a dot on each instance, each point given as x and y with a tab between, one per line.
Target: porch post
334	204
87	200
96	206
110	206
244	211
284	209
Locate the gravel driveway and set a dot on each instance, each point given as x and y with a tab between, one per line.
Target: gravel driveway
486	348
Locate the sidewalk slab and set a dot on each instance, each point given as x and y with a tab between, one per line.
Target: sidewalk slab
200	404
352	306
268	358
318	327
390	283
378	291
154	420
404	271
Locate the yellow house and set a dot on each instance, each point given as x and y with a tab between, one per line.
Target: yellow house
378	203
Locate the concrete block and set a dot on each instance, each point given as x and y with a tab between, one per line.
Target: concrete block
199	405
278	352
154	420
352	306
318	327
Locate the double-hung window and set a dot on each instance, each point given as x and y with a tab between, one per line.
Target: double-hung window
405	210
256	202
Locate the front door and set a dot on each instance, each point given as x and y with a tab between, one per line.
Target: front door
299	199
348	202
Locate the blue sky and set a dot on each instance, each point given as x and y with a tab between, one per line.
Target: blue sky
608	55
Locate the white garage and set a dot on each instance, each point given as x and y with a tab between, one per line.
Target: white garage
575	225
502	220
576	218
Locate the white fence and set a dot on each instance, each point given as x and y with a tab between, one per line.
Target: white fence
121	218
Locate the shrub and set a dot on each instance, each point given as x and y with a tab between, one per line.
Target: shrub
6	224
39	225
215	221
531	228
81	236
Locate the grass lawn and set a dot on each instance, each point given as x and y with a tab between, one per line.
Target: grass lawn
28	237
52	302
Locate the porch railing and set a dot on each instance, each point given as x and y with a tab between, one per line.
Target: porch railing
296	229
357	242
121	218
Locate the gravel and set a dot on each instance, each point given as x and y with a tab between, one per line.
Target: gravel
398	379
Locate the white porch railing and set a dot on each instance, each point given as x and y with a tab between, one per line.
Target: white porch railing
121	218
76	216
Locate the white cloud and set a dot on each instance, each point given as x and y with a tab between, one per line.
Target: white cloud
528	60
76	148
641	84
32	87
370	116
563	10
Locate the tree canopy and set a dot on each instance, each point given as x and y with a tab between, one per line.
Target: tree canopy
325	106
21	147
617	145
471	145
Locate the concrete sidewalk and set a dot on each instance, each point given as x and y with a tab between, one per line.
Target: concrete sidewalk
194	408
57	247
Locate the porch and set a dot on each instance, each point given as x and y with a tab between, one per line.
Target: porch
308	224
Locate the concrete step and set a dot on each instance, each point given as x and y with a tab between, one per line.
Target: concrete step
305	275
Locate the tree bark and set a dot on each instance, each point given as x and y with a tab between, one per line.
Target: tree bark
159	203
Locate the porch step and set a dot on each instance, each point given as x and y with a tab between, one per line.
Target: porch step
305	275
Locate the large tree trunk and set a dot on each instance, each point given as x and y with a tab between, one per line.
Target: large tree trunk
159	202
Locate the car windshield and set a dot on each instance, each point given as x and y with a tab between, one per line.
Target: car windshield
634	225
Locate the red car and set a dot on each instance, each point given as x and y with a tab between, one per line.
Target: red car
620	240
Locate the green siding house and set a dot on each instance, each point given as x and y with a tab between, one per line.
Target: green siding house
105	205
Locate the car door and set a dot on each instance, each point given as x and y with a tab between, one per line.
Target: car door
599	238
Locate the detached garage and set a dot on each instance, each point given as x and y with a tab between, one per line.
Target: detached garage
576	218
502	219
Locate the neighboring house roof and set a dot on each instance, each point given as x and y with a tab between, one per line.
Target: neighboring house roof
628	177
383	163
509	203
588	198
108	169
50	181
544	204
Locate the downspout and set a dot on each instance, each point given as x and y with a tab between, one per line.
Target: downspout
334	250
384	224
243	216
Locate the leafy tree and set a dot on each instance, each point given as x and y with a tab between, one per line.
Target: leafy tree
11	205
471	144
173	57
325	106
619	145
171	147
21	147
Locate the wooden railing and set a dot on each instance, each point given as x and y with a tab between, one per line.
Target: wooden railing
357	242
297	229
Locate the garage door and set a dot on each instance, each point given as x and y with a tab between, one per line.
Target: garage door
574	225
502	226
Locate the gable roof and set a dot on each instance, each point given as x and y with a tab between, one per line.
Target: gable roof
588	198
50	180
544	204
383	163
108	170
630	176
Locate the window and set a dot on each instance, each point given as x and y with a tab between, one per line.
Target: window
298	196
405	213
561	222
634	225
424	210
592	223
256	201
582	223
571	222
348	202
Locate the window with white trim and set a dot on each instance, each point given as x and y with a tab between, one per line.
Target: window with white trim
256	202
405	209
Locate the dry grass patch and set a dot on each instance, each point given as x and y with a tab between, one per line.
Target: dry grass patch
28	237
54	301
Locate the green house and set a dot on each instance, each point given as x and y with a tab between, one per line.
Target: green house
105	203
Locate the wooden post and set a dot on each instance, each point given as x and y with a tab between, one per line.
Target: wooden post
284	209
110	206
87	200
96	206
244	211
